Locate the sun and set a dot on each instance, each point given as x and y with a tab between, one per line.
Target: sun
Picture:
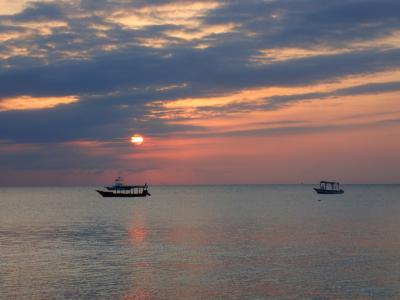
137	139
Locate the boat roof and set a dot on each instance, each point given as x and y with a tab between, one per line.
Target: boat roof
329	182
121	187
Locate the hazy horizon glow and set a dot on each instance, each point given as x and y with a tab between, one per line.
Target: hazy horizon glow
223	91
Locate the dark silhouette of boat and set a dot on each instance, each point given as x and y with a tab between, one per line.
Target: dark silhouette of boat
119	190
329	187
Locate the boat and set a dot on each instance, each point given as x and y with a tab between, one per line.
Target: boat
120	190
329	187
118	184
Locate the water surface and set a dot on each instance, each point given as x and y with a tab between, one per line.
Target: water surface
202	242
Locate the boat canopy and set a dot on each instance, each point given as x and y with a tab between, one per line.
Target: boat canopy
329	182
128	187
332	184
119	185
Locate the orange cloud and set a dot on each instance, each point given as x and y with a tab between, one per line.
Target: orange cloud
187	15
180	13
41	27
390	41
12	7
186	107
34	103
201	32
4	37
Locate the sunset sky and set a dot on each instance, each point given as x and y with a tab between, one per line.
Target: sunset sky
241	91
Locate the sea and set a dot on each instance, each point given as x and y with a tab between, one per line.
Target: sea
201	242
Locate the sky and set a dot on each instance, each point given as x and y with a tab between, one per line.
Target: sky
223	92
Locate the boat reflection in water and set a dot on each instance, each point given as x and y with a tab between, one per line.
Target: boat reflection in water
329	187
119	190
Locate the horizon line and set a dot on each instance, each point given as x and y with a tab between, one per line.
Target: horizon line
188	185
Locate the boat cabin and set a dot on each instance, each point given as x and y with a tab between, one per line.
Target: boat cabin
329	187
325	185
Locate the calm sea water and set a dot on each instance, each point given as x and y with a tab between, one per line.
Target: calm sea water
205	242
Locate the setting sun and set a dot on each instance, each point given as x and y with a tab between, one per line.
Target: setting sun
137	139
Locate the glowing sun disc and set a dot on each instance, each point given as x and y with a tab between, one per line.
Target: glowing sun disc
137	139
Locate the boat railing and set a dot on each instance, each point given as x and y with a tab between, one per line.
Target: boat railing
135	189
333	185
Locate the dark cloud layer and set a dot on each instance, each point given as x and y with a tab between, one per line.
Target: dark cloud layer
38	11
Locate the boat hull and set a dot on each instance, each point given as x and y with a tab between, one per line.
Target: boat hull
122	195
328	192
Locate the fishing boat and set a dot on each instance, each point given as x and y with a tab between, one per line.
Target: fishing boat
329	187
119	190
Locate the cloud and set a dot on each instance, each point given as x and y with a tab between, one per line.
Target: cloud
306	22
29	103
208	70
373	88
11	7
123	62
80	155
298	129
100	118
104	76
40	11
